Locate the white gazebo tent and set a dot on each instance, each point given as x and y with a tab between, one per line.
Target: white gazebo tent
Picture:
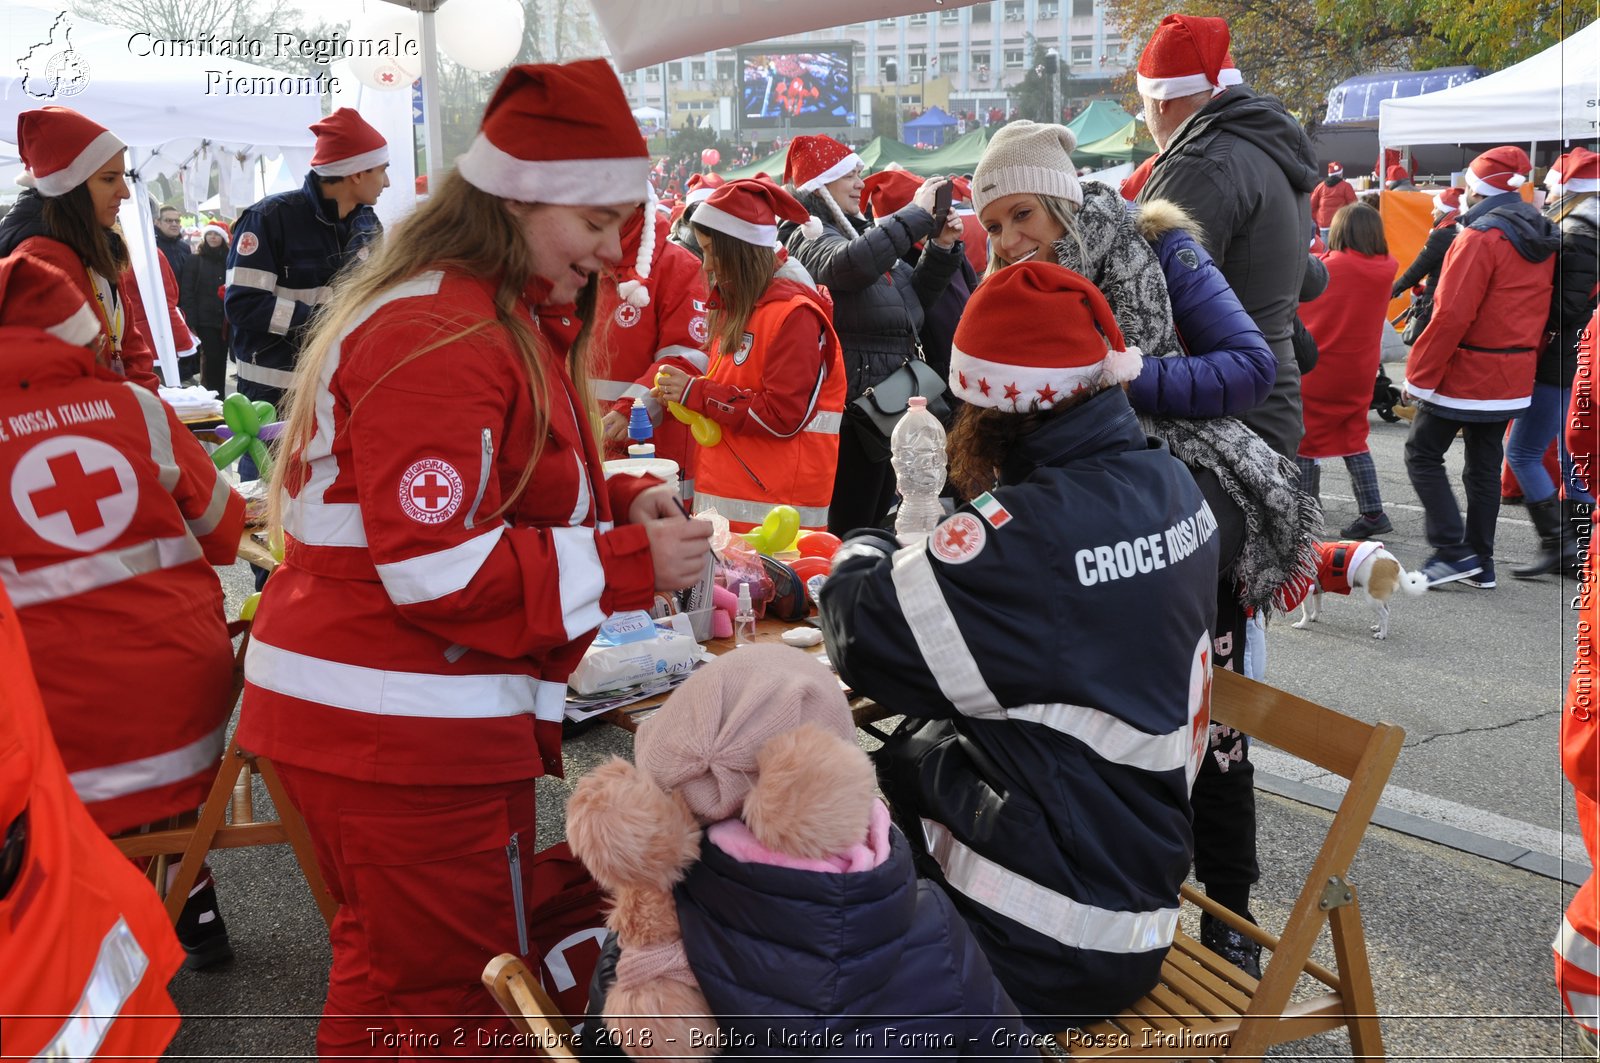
1551	97
168	110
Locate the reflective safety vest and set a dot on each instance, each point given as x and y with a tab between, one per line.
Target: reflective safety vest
85	944
748	473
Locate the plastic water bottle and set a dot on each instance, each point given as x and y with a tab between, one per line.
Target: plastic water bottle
640	431
917	453
744	618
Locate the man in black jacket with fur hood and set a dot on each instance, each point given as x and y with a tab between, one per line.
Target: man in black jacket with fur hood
1242	167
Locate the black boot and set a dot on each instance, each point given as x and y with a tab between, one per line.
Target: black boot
1556	548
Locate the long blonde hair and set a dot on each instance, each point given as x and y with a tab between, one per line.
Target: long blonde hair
1064	212
744	271
459	228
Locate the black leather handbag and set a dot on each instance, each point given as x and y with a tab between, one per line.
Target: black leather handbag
876	411
1418	314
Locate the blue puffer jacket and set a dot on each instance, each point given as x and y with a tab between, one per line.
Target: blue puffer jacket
863	965
1230	368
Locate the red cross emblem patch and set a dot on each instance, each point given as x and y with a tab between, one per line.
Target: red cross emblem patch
75	492
430	491
627	315
959	539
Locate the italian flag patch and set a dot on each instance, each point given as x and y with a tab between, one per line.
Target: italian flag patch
991	511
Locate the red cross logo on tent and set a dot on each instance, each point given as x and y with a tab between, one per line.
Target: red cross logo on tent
430	491
75	492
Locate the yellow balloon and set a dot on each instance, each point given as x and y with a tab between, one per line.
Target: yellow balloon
247	611
275	542
706	432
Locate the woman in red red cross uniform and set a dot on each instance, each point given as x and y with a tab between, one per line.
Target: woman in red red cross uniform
776	379
75	186
450	548
111	516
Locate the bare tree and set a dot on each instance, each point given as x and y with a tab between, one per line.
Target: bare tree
238	20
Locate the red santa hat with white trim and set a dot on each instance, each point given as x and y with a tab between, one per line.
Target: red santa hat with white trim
750	210
220	228
347	144
1335	169
1447	201
1576	171
701	185
35	294
61	149
1498	170
1035	334
559	133
814	161
1187	54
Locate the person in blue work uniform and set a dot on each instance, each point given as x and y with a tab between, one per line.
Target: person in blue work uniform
288	247
1050	647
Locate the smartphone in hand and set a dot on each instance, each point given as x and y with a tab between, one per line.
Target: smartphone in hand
941	209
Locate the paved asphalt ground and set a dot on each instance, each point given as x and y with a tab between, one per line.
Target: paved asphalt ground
1461	890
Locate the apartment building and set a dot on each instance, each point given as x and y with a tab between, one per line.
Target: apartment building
963	60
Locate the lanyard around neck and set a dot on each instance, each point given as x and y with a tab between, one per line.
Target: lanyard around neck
110	317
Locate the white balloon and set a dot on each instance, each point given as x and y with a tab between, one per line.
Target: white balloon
481	35
395	30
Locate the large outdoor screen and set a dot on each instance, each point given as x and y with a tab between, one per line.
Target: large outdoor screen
802	85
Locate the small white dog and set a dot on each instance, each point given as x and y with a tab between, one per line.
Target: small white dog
1344	567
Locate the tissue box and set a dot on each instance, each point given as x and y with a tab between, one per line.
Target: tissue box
632	649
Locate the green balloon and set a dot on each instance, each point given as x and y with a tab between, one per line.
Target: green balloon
265	414
241	416
231	451
263	460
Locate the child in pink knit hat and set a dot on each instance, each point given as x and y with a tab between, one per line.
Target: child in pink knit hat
762	900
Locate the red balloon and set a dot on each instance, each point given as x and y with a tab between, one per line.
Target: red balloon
711	156
817	544
806	567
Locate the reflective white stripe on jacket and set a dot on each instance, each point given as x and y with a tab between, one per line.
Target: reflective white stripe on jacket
1055	915
381	692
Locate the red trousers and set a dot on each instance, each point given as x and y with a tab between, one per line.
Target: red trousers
424	880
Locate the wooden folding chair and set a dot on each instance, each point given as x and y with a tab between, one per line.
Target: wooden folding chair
230	792
1204	1007
546	1032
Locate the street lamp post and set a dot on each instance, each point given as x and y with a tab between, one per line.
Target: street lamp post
891	74
1052	67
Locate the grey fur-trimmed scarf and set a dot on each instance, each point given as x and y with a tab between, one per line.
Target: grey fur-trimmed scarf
1278	561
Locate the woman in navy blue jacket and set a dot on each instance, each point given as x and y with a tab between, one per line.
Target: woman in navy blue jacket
1229	368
